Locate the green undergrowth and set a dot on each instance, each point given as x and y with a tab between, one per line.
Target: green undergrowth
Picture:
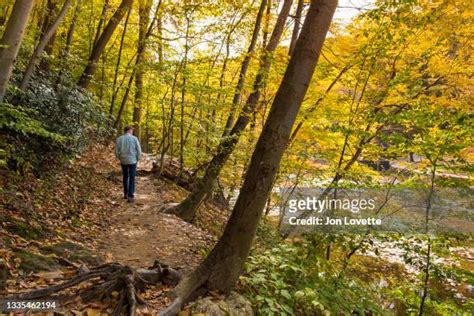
27	229
47	125
294	277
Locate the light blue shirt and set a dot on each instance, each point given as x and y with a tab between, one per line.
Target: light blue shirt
128	149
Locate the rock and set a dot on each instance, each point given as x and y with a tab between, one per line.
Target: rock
73	252
234	305
51	275
22	229
470	288
31	262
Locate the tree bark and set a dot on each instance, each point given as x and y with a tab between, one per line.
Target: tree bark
240	229
188	15
4	14
67	47
124	101
137	61
244	68
11	41
101	42
429	202
70	31
159	31
296	27
48	22
144	16
187	208
45	39
222	267
103	15
115	90
319	100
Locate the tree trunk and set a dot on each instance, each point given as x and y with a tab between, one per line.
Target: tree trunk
222	267
102	19
244	68
144	16
187	208
429	202
183	88
101	42
159	31
4	14
11	41
137	62
240	229
296	27
45	39
48	22
124	101
103	15
115	90
233	27
70	31
64	56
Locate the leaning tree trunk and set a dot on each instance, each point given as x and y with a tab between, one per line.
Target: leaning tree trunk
51	8
101	42
222	267
45	39
11	41
188	208
244	68
115	90
64	55
103	15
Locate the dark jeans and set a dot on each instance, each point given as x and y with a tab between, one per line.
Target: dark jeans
129	172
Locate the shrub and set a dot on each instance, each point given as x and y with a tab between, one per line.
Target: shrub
66	110
48	124
21	135
287	281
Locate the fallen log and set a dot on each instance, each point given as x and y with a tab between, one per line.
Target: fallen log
172	171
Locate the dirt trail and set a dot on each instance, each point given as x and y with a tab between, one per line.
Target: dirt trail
106	227
138	233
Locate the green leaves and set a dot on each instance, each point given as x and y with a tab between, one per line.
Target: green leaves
281	281
49	123
17	127
19	120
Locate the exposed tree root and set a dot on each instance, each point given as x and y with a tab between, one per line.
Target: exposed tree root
113	277
175	209
178	210
189	288
168	208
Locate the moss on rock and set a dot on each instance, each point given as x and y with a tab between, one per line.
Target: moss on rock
31	262
73	252
22	229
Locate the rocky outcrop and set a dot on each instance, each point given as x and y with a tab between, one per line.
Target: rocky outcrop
234	305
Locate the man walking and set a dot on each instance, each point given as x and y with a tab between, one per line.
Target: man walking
128	151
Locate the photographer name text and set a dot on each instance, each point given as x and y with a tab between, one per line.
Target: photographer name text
318	221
